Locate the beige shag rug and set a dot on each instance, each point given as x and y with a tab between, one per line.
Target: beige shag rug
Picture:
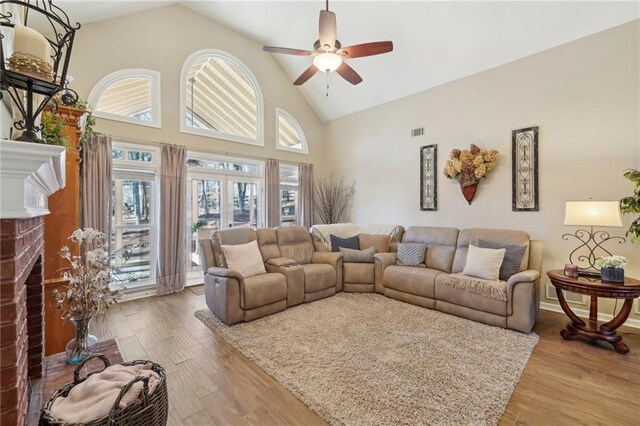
364	359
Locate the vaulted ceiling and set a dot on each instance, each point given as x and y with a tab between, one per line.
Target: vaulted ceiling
435	42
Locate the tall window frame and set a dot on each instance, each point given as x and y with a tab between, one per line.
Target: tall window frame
289	184
135	162
304	149
110	79
211	133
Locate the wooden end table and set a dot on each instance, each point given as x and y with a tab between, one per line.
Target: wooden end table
595	287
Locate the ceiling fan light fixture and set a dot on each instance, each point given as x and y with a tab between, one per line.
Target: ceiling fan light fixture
327	62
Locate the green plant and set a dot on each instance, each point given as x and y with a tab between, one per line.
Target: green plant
201	223
53	130
89	120
631	205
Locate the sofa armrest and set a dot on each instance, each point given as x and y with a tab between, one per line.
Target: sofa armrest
382	260
225	273
328	257
294	274
281	261
529	277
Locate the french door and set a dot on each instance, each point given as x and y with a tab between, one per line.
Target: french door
218	201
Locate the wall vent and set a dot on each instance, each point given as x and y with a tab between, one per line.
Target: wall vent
417	132
579	299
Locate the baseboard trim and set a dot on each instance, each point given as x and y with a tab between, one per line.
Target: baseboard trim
631	322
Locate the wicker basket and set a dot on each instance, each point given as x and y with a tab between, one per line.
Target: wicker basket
151	409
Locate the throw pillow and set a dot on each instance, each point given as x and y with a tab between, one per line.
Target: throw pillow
483	263
411	254
350	243
512	257
358	256
244	259
379	242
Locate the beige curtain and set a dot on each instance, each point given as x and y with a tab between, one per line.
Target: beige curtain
272	183
171	270
305	195
95	186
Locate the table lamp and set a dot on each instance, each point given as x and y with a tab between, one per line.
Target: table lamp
591	213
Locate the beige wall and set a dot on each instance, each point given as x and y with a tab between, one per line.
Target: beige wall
131	42
584	96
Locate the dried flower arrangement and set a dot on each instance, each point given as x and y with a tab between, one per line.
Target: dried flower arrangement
332	197
87	291
470	165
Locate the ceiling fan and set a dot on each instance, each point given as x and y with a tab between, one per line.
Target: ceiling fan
329	55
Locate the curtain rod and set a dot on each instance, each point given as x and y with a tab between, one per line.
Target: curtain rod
204	150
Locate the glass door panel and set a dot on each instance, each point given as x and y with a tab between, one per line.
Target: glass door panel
206	206
244	208
131	239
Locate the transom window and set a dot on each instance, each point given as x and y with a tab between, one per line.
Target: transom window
136	156
290	136
131	95
220	98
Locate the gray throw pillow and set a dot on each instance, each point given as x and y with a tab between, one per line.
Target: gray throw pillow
350	243
411	254
358	256
512	257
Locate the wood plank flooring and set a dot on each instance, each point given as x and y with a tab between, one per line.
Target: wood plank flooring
211	383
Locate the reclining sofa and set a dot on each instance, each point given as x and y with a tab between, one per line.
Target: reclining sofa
300	269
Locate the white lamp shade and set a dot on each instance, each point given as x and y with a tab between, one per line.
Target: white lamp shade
327	62
592	213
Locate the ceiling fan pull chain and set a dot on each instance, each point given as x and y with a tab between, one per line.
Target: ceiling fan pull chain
327	94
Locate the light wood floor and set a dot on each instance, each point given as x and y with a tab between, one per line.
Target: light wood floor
564	383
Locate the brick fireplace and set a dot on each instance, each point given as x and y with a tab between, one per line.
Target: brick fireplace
21	315
29	173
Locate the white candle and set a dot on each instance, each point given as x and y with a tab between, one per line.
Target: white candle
29	41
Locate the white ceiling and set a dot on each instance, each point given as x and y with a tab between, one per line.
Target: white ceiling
434	42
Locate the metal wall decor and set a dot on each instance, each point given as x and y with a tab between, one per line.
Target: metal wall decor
524	175
429	178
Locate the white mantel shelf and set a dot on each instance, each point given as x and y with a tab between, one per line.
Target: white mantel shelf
29	173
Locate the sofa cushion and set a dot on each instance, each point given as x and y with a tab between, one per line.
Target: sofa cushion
417	281
359	273
318	276
244	259
411	254
467	298
483	262
512	258
358	256
295	243
350	243
379	242
268	244
441	244
261	290
503	236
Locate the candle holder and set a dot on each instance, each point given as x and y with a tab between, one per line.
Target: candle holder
31	81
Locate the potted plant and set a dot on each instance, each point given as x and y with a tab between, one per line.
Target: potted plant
631	205
86	291
612	268
468	166
53	130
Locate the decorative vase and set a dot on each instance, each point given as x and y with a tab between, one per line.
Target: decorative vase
469	192
83	345
612	275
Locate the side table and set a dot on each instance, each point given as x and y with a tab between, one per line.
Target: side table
595	287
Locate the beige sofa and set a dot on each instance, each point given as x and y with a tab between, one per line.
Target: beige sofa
446	254
301	270
296	273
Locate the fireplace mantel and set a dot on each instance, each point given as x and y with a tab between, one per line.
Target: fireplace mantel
29	173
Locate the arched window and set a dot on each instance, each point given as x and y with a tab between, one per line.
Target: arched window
131	95
220	98
289	133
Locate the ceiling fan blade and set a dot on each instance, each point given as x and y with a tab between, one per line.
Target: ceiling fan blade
349	74
287	51
368	49
306	75
327	29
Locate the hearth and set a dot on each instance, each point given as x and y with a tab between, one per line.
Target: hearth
29	173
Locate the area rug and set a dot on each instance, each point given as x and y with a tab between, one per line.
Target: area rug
364	359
